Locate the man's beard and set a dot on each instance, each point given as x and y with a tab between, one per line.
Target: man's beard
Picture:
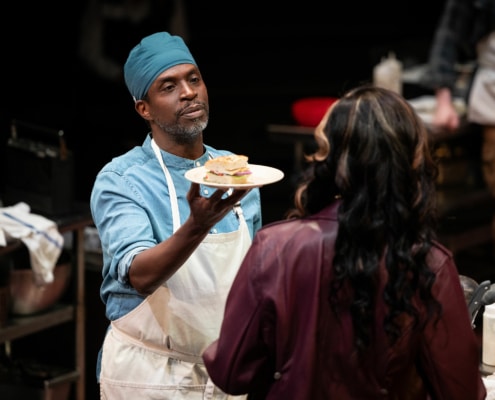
184	134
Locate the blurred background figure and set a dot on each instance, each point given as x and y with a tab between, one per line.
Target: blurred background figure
466	32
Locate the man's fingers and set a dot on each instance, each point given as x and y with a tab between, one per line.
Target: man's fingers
237	195
193	191
216	198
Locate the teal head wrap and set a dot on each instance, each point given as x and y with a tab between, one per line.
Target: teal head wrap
153	55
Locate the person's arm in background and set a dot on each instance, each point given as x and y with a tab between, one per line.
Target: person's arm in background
451	41
445	116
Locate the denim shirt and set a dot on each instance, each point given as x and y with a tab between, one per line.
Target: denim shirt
131	209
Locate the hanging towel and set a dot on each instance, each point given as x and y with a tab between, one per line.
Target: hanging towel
40	235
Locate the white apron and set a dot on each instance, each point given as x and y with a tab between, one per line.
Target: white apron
154	352
481	102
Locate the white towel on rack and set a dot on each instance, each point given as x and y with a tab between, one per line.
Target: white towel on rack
40	235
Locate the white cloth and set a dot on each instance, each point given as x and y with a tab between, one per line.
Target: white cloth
39	234
482	95
489	382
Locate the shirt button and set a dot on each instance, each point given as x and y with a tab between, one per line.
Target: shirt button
198	164
205	191
277	376
213	231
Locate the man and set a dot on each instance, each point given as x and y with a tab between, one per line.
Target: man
171	248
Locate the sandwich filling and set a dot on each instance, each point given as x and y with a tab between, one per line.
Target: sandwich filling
230	169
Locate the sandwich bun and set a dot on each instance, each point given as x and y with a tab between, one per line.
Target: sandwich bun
229	169
226	164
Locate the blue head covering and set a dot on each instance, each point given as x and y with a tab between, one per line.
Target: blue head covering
153	55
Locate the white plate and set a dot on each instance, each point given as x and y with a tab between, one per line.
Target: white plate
260	175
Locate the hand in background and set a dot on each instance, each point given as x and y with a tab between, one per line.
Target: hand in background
446	116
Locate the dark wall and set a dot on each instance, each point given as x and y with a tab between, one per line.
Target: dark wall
256	57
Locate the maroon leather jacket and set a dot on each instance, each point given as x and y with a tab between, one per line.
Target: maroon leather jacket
280	340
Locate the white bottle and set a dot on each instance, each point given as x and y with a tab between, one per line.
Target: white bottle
388	74
488	350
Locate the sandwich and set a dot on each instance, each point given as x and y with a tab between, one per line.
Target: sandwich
230	169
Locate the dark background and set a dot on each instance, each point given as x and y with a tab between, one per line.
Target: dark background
256	57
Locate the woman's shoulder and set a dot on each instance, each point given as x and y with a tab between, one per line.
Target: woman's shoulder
439	255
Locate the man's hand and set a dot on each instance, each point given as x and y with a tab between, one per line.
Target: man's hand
152	267
207	211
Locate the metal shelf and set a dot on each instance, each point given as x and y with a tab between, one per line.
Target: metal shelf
75	312
26	325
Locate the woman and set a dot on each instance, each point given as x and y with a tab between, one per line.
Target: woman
352	297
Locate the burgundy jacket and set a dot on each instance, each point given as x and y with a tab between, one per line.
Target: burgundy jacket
280	340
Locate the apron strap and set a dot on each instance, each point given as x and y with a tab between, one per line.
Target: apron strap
171	186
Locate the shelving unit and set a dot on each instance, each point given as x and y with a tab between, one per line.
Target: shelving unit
20	327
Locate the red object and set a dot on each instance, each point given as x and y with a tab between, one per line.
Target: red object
309	111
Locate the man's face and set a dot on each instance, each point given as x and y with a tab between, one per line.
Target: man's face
177	103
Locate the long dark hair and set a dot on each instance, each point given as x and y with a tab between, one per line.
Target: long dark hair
373	154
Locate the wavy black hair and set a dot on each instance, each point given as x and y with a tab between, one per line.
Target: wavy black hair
373	154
